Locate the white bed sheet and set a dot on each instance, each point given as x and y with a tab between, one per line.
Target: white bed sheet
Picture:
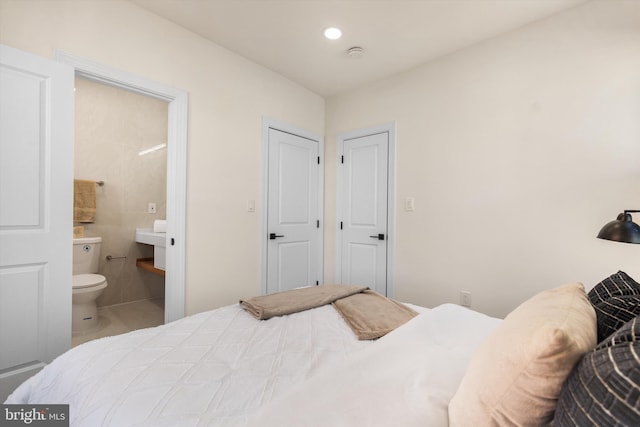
219	367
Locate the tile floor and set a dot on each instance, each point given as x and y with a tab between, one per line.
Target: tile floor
121	318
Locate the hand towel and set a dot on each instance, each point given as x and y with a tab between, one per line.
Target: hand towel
160	226
372	315
84	200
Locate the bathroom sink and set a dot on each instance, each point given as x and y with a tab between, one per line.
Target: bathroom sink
147	236
159	243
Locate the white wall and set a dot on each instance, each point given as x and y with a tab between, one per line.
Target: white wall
517	151
228	96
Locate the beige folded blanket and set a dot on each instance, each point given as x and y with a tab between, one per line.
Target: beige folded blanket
369	314
289	302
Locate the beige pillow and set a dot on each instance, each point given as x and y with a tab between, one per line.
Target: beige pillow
515	376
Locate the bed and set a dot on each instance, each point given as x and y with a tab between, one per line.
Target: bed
445	366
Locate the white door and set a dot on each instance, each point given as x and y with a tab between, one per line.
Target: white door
36	182
294	251
363	219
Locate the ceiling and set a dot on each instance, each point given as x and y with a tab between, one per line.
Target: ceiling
396	35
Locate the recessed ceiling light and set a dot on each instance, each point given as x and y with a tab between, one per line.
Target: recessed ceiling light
333	33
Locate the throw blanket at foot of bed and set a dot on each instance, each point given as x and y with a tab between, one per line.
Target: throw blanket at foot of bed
369	314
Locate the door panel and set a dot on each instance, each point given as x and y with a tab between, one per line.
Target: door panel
294	250
362	255
294	182
22	205
296	254
364	182
36	181
364	217
26	286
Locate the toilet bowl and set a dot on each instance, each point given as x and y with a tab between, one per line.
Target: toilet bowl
86	288
87	285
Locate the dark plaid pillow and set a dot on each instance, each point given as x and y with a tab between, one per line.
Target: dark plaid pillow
604	387
614	312
616	285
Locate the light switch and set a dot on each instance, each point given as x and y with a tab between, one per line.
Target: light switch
151	208
251	205
409	204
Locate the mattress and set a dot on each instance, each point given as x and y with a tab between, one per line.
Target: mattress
225	368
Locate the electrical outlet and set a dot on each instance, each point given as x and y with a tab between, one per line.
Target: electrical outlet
151	208
465	298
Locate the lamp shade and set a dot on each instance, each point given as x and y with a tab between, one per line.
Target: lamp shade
623	229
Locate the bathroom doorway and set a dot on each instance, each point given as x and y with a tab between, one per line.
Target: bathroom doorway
176	154
121	143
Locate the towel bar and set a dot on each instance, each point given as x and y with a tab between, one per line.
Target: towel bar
110	257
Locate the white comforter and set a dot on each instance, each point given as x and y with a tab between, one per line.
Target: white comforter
218	368
407	378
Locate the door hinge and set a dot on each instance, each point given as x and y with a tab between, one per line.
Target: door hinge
317	223
317	283
340	225
318	159
341	159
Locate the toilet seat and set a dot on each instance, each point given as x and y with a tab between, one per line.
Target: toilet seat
83	281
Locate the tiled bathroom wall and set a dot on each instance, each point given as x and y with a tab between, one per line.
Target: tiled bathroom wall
112	126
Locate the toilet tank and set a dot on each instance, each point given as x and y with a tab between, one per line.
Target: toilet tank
86	254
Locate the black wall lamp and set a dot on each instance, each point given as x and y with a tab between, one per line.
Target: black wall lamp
623	229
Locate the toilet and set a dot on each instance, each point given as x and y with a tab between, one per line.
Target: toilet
87	285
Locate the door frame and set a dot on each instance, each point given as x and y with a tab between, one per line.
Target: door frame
267	124
176	166
390	128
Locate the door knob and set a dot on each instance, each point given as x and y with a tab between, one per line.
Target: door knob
380	236
273	236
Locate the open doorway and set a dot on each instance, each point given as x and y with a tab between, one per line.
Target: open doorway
121	143
176	152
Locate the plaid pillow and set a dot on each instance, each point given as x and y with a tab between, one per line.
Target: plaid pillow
618	284
604	387
614	312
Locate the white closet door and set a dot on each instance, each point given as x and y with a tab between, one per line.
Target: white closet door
364	211
294	235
